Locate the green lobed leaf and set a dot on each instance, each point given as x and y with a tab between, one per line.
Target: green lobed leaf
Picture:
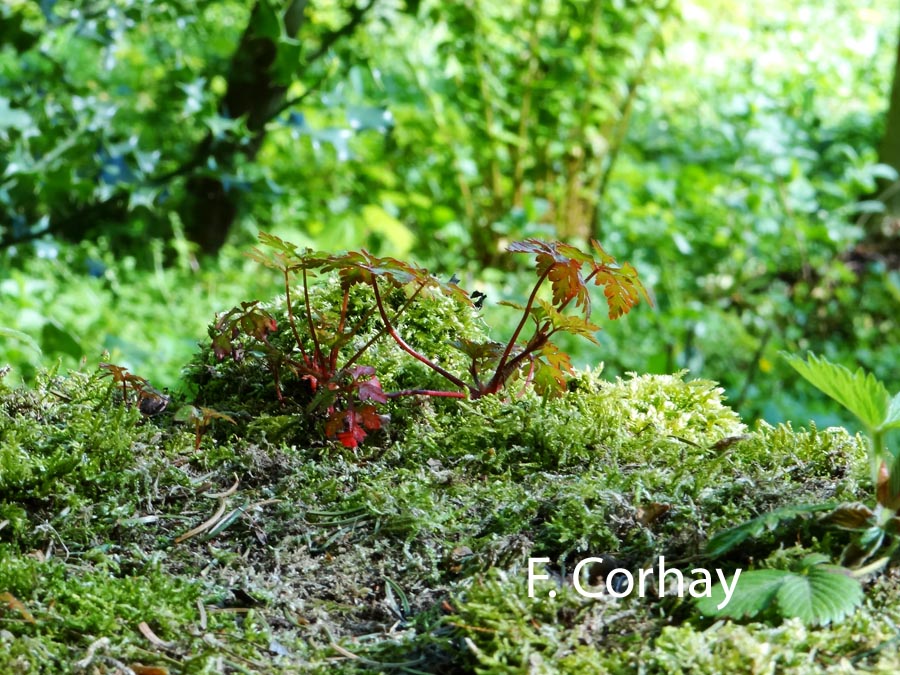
817	593
892	419
859	392
824	593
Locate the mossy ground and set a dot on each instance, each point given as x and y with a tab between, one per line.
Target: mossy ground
410	553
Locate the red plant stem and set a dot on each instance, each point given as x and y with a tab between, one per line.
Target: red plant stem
437	393
377	335
359	352
537	341
498	377
529	377
317	352
336	347
409	350
287	297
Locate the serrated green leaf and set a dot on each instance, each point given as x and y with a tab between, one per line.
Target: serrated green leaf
573	324
817	593
892	419
859	392
726	540
825	593
755	592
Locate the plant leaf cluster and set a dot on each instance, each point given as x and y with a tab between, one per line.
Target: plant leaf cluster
327	351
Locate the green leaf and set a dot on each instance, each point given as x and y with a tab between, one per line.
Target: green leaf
892	419
859	392
825	593
817	593
726	540
755	592
19	336
12	118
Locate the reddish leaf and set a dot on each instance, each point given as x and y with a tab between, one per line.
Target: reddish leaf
622	289
368	417
221	346
370	390
562	264
851	517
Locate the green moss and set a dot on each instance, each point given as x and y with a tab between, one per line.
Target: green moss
447	507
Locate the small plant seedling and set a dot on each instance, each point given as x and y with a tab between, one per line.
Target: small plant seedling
149	401
878	412
817	592
201	418
349	393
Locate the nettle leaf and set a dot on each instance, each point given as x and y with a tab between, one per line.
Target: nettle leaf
728	539
892	419
859	392
817	593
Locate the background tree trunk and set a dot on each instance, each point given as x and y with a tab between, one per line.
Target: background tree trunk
210	207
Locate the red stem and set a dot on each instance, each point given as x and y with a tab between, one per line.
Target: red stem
377	335
332	358
287	297
498	378
427	392
317	353
409	350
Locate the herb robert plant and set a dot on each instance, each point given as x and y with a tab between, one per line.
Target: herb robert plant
347	393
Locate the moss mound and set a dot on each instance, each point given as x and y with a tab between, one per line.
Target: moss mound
272	549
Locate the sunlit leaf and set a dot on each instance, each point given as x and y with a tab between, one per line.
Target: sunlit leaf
859	392
815	593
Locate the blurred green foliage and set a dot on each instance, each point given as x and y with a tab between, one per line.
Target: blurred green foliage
722	145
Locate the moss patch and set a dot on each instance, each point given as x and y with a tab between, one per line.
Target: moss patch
273	550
